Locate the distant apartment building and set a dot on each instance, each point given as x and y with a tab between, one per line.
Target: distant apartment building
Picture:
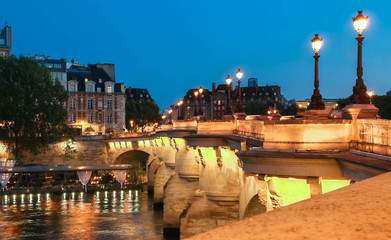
56	67
96	103
138	94
214	103
5	41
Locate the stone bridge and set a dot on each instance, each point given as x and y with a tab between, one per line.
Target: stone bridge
208	174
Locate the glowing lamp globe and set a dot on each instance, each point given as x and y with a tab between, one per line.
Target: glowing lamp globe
360	22
316	43
239	74
228	80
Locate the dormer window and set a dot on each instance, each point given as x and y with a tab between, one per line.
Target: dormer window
86	79
109	89
90	88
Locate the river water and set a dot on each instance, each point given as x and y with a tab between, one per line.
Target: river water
101	215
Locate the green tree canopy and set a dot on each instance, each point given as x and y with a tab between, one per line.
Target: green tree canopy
142	113
384	105
256	108
32	113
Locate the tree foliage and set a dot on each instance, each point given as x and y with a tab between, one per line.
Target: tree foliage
259	108
142	113
32	113
384	105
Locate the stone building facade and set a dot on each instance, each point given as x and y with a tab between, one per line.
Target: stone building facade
96	103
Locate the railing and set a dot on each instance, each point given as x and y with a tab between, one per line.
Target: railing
373	136
252	128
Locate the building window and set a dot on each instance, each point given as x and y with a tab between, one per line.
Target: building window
141	96
99	89
219	102
100	80
72	88
85	79
100	118
109	89
100	104
48	65
89	118
73	117
109	118
109	104
90	104
90	88
57	65
72	105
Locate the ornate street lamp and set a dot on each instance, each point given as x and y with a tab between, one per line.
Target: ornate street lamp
370	94
201	90
239	107
228	110
179	103
360	90
169	116
195	100
316	98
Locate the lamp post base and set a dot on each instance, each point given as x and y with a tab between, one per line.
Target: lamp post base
365	111
239	116
228	117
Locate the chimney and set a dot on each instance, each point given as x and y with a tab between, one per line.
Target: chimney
213	87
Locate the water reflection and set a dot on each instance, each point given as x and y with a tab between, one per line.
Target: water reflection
78	215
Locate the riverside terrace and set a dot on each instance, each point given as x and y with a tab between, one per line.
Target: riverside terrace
209	174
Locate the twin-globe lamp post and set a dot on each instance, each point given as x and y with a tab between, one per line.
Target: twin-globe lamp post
316	98
196	93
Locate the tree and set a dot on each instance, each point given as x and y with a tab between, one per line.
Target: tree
384	105
32	113
259	108
142	113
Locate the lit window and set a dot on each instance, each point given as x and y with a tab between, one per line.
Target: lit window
86	79
219	102
100	80
73	117
141	95
109	89
109	118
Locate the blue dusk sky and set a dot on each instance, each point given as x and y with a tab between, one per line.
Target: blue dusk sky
169	46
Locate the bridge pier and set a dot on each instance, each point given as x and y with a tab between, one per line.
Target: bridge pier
180	188
216	202
164	171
